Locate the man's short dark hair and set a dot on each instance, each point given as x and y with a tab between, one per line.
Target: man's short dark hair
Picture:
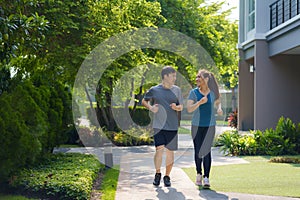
166	71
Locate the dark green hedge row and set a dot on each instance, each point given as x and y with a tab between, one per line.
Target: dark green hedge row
34	119
140	116
59	176
92	137
129	135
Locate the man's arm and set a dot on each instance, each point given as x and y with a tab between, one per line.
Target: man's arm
147	105
176	107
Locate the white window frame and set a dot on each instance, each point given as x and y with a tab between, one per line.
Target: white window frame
248	15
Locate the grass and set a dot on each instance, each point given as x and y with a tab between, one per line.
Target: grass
109	183
188	123
182	130
258	177
13	197
69	146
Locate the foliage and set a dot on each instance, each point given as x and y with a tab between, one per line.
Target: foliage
139	116
60	176
294	160
232	143
19	146
132	137
108	19
202	23
233	119
43	44
207	24
21	29
284	140
13	197
91	137
34	121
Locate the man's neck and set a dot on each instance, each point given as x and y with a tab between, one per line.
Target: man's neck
166	85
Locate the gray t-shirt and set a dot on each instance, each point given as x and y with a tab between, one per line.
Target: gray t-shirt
166	118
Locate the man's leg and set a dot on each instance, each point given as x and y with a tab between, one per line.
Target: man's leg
157	163
158	157
169	165
169	161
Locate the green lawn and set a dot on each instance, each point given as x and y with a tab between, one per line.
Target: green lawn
182	130
257	177
109	183
13	197
188	123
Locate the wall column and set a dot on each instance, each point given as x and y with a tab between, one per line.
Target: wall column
245	95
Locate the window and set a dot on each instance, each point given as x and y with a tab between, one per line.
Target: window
249	19
250	15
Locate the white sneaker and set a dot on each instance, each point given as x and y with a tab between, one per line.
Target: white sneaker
206	182
199	180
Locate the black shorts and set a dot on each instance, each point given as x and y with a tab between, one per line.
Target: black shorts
167	138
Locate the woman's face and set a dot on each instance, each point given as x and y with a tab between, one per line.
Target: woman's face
200	80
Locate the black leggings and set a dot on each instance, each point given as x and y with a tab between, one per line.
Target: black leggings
203	138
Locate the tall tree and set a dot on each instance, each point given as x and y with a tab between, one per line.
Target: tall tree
210	28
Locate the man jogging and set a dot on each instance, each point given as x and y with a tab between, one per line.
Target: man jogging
166	100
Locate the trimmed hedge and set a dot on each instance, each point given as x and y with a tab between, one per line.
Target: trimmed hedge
60	176
140	116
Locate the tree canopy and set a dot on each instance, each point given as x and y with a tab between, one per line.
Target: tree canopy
43	44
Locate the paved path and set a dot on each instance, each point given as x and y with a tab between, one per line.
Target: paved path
137	171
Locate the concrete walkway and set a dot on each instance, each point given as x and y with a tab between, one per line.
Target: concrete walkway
137	173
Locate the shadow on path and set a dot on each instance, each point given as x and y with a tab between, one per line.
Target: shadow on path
212	194
169	193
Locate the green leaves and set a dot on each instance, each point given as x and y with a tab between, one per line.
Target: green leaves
284	140
64	176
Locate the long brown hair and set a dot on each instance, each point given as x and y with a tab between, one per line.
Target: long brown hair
212	82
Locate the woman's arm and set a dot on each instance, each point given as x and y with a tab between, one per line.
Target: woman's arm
219	106
191	106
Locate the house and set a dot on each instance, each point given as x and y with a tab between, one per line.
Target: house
269	66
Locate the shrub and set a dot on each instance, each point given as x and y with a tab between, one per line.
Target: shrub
19	144
233	119
132	137
285	160
140	116
59	176
269	142
283	140
228	142
287	130
34	119
91	137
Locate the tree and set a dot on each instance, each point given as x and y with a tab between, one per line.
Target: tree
108	19
210	28
34	95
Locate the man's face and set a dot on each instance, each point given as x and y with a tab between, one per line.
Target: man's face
170	78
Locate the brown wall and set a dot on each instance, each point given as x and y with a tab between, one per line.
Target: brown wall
276	86
245	96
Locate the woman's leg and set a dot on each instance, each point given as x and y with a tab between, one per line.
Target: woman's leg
206	148
207	164
197	140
